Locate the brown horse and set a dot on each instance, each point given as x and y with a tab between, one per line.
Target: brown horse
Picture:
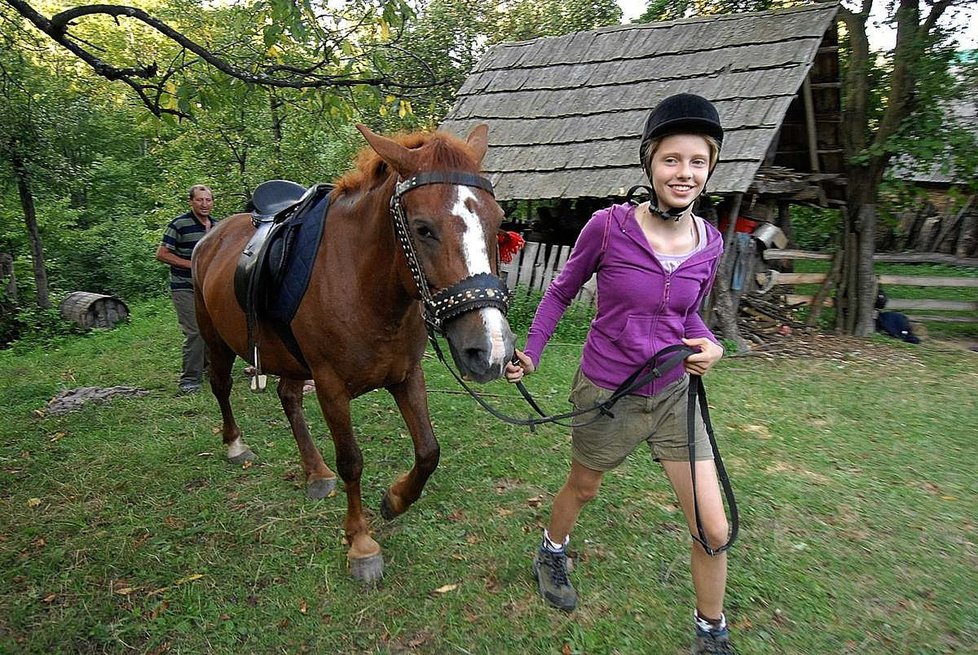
410	237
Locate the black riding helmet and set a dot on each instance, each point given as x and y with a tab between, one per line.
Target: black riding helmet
683	113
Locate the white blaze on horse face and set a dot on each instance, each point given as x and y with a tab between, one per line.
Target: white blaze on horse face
477	261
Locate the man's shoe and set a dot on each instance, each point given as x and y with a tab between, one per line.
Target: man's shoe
189	387
550	569
713	642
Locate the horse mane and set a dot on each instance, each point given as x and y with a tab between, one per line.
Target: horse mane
443	151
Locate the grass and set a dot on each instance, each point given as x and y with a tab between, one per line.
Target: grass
124	530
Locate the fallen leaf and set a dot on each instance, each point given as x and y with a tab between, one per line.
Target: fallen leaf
49	598
247	465
56	436
566	650
536	501
502	511
303	606
159	609
159	650
189	578
124	591
33	502
444	589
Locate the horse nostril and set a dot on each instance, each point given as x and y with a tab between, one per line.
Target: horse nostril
475	356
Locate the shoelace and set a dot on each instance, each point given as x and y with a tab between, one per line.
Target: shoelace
716	644
558	566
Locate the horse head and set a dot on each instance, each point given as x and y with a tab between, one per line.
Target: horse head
447	220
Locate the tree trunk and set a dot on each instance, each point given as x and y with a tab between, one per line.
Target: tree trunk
34	235
857	292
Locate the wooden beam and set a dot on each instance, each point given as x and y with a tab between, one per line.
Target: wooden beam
896	280
901	258
806	94
894	303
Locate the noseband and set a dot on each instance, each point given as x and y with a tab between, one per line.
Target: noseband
473	292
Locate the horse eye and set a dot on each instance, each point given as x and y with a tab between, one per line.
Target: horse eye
425	232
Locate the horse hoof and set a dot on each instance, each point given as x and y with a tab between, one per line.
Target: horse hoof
242	457
368	570
321	488
386	509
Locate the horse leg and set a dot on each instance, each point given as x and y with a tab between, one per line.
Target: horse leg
221	361
412	400
365	559
320	481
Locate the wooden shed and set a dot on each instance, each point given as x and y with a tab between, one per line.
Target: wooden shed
565	114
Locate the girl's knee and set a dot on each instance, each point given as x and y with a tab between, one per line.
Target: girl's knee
716	532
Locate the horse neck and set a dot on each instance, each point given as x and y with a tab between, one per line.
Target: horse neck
383	266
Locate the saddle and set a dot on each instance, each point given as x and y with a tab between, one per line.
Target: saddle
273	271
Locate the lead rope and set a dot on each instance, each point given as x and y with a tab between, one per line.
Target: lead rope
649	371
697	392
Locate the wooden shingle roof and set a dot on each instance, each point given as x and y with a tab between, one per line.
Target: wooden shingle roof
565	114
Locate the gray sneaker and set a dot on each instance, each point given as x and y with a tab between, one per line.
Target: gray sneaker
713	642
550	569
189	387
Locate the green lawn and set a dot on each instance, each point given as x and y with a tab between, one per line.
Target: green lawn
124	530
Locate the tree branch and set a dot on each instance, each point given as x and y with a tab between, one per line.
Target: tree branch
147	79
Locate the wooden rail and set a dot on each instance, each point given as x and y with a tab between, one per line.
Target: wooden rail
773	278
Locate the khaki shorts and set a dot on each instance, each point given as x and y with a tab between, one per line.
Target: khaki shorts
659	421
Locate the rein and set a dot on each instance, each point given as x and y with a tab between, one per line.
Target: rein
475	291
658	365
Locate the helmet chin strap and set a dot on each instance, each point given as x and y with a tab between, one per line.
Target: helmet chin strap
675	214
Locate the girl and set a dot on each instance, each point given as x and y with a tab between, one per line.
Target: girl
655	264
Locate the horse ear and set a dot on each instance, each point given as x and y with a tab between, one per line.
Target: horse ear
401	158
478	140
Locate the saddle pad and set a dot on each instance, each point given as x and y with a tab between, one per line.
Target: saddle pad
292	256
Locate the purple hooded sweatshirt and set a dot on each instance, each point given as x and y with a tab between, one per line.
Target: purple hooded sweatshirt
640	309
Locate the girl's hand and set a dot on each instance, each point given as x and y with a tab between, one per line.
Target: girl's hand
515	372
701	362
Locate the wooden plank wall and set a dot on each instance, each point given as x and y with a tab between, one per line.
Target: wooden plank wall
535	267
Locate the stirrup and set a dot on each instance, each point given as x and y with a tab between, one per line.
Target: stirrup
259	380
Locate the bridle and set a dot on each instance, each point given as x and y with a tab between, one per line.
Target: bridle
473	292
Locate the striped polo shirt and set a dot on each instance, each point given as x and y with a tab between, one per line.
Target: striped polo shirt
180	236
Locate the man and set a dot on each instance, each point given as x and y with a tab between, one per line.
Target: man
179	239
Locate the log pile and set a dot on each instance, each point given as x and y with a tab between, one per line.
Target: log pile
769	317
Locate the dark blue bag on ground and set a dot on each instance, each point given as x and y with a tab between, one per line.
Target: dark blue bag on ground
896	325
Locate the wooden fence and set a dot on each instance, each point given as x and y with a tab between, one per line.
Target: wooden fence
968	310
536	265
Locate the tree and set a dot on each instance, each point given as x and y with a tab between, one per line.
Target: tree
270	43
871	138
20	147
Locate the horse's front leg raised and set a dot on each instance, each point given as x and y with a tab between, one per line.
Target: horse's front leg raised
412	400
365	559
320	481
